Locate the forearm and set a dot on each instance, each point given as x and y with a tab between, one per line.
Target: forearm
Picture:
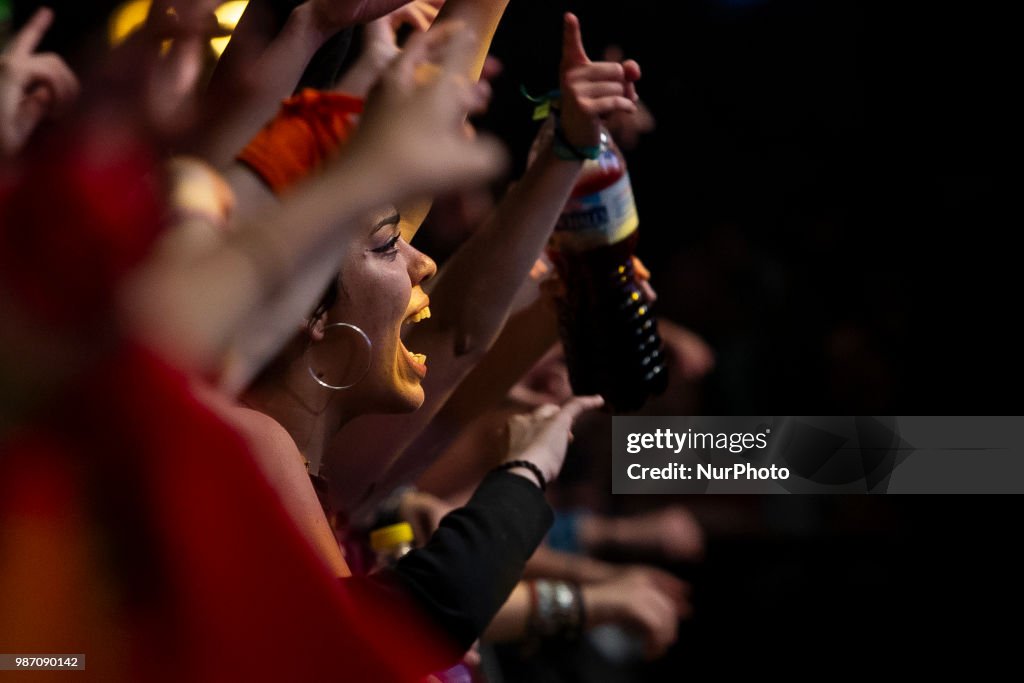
269	80
199	303
469	306
482	18
361	77
512	620
270	325
556	564
475	290
475	559
527	336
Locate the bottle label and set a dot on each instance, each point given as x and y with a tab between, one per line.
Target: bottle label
598	219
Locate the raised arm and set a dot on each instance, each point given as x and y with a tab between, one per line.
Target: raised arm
277	67
480	17
407	129
33	86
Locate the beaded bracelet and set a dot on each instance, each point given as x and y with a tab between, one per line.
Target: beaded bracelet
541	481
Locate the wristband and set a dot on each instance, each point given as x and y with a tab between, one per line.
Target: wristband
541	481
566	151
556	610
548	105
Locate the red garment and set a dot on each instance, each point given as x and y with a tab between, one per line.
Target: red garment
162	510
134	526
309	130
73	221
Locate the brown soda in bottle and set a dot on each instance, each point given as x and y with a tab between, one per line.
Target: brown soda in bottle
610	334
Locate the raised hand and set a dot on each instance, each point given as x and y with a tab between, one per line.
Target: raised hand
627	127
591	90
331	16
541	437
417	129
419	14
380	44
643	599
33	87
172	98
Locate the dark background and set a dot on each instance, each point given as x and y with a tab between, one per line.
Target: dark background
827	201
830	199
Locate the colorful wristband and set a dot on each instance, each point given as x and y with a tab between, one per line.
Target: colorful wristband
565	150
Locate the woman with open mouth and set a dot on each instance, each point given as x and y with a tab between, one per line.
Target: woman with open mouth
347	360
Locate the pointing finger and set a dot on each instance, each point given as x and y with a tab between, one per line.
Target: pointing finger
572	42
28	38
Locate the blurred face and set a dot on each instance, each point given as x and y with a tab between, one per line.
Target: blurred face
380	292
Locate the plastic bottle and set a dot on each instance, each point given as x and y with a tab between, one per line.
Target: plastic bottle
389	543
611	339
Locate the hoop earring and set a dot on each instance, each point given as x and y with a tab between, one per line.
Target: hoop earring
369	359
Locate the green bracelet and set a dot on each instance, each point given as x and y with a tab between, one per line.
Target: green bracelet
547	105
565	150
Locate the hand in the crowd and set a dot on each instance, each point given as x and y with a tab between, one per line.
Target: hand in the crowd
331	16
33	87
690	353
553	289
416	128
541	437
419	14
627	127
380	44
643	599
546	382
642	276
591	90
172	97
670	534
150	82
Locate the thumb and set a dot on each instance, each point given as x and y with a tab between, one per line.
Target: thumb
31	34
573	53
380	31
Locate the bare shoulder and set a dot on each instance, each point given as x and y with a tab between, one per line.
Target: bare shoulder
264	434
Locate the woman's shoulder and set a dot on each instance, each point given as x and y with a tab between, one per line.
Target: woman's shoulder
260	430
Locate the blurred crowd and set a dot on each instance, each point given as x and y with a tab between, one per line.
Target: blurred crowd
250	428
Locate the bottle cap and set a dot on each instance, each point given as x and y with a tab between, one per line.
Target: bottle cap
390	536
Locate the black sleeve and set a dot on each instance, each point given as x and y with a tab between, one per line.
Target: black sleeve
469	567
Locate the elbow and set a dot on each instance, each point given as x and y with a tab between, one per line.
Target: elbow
475	334
471	346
